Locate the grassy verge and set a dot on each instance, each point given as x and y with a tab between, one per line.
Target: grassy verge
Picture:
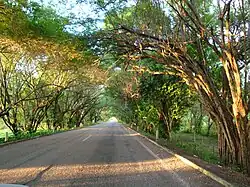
203	147
24	136
3	131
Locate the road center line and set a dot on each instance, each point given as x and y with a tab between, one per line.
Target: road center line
86	138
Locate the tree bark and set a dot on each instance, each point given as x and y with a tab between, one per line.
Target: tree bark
210	124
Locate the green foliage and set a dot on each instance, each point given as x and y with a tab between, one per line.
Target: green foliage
201	146
145	15
169	95
44	21
14	21
121	94
148	116
142	99
25	135
47	75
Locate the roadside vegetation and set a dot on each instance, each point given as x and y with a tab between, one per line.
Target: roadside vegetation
26	136
184	69
180	68
48	79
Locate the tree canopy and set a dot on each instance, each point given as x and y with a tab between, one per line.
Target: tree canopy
204	43
150	62
48	75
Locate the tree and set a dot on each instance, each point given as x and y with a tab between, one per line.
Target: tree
169	95
40	64
191	46
123	95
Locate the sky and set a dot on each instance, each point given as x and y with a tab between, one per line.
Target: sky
78	10
66	7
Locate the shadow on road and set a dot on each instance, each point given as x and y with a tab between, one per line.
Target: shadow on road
102	155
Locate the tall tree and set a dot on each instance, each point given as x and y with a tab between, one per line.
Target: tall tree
192	46
169	95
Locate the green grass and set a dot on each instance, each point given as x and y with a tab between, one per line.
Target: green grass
204	147
24	136
3	131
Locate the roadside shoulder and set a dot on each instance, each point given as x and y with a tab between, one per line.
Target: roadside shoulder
222	175
34	137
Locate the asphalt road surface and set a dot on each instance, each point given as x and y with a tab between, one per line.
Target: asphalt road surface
106	154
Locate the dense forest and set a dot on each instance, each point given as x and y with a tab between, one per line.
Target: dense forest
169	66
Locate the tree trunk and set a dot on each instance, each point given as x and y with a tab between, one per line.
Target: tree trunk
199	122
167	127
233	147
210	124
48	124
167	120
78	123
230	111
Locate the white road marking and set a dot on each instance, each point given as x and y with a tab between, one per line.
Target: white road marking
163	164
159	159
86	138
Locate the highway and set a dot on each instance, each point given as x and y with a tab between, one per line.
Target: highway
103	155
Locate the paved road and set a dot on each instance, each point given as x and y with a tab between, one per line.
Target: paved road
103	155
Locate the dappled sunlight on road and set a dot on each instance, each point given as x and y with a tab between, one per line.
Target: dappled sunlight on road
105	154
16	175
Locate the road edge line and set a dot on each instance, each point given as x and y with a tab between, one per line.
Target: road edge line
188	162
179	178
